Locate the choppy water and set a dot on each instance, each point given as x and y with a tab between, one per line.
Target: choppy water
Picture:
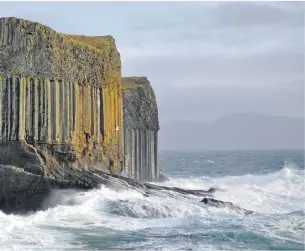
270	183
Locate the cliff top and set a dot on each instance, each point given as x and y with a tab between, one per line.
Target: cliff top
137	78
140	105
96	43
33	49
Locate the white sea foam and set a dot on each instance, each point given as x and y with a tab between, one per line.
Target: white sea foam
278	192
104	212
209	161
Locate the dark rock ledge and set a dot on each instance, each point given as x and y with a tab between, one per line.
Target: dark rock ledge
22	192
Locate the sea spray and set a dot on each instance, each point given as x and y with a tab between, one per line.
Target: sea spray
105	218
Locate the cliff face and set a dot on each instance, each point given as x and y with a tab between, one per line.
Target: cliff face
61	98
61	115
141	126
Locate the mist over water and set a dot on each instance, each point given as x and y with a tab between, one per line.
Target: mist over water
269	183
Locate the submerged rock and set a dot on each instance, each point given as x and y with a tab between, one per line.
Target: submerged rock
221	204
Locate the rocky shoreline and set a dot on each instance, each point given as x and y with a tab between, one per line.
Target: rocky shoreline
22	192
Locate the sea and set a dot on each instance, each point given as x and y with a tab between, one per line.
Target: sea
270	183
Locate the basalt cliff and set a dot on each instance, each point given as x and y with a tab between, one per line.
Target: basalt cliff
67	117
141	128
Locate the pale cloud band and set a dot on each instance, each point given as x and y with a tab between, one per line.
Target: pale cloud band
230	57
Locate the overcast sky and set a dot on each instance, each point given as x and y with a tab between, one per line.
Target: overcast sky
204	59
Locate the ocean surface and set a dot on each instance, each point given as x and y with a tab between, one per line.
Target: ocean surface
269	183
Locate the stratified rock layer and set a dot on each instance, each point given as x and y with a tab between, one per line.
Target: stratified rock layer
141	127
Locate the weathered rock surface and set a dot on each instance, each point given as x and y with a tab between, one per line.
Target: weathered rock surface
61	94
32	49
17	188
22	155
24	192
141	126
140	104
61	116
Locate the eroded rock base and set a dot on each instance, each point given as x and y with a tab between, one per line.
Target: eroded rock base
23	192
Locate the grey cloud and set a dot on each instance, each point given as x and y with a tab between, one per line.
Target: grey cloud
211	87
226	57
224	24
268	68
172	15
214	85
256	14
223	15
207	103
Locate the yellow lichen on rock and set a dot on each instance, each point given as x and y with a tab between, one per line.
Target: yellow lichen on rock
71	86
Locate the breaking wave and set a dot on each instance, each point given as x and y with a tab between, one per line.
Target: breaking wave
104	218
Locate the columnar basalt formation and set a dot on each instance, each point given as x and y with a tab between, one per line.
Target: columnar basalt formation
61	98
141	128
61	116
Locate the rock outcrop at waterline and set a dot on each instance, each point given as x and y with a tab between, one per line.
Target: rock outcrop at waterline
24	192
61	110
222	204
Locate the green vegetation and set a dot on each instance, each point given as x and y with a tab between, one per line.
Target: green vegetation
97	43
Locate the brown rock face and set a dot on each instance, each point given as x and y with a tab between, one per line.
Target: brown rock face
61	98
61	116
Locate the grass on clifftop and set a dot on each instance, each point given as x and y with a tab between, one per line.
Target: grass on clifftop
95	43
99	43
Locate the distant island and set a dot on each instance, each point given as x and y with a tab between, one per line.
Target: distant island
234	132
